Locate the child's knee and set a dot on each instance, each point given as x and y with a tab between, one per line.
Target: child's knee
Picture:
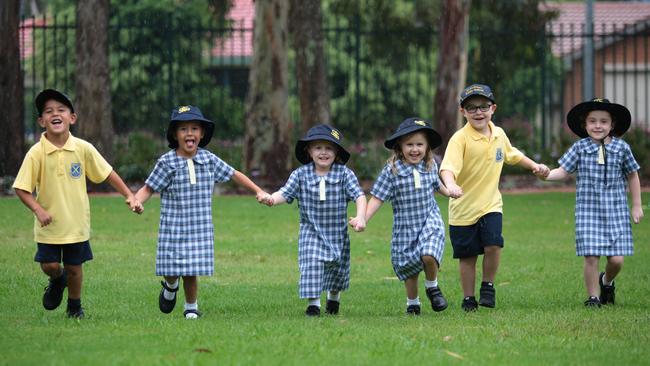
616	261
51	269
73	270
429	261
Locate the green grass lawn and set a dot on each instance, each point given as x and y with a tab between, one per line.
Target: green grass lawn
252	313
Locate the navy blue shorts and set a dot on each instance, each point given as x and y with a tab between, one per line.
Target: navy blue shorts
470	241
73	254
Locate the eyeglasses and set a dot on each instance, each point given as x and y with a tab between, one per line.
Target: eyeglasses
472	108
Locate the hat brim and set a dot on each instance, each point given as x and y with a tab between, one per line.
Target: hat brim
621	116
303	156
49	94
208	127
433	137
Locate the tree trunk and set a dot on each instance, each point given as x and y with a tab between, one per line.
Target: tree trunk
305	19
93	85
267	154
12	124
452	67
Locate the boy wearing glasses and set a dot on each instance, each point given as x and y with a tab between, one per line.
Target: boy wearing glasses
470	170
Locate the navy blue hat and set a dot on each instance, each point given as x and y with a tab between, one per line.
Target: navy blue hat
411	125
320	132
189	113
49	94
576	116
476	89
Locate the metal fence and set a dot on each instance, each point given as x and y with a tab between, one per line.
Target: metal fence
376	78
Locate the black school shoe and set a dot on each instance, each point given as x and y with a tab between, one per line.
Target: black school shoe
438	301
332	307
166	306
413	310
592	302
312	310
75	313
488	295
607	292
469	304
54	292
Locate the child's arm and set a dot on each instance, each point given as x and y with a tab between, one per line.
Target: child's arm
448	179
540	170
273	199
373	205
635	192
42	216
443	190
118	184
241	179
557	174
359	221
143	194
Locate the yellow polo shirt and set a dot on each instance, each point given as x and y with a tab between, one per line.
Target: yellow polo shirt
476	162
59	177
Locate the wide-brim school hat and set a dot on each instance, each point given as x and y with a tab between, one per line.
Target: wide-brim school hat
476	90
49	94
411	125
320	132
620	115
189	113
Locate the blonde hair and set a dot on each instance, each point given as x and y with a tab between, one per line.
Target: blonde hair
398	155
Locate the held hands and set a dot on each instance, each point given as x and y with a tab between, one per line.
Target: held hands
134	205
454	190
358	223
265	198
541	171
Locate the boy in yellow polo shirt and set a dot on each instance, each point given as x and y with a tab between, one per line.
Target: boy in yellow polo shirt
56	168
471	169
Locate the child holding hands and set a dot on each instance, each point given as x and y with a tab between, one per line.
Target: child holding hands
409	180
185	177
471	169
56	168
605	167
323	186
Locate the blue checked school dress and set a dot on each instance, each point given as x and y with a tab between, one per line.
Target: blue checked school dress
602	215
186	233
418	229
323	243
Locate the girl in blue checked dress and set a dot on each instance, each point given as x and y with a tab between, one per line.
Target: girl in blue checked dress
408	180
605	167
323	186
185	178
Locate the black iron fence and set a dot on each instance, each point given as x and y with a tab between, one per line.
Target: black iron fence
376	78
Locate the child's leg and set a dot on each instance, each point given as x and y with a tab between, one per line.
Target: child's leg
591	275
411	285
491	260
75	279
467	268
191	288
613	267
52	269
438	301
430	268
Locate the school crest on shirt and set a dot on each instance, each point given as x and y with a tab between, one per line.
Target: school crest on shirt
75	170
499	155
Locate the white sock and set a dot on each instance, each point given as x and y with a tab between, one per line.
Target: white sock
194	306
429	284
336	297
314	302
415	301
168	295
605	282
